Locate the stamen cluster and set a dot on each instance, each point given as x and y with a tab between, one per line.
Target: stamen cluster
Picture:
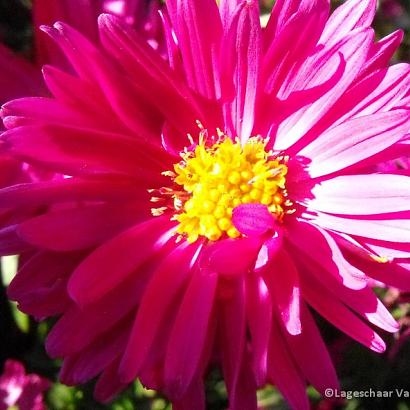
218	178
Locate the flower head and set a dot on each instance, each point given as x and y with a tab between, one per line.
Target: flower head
209	200
20	389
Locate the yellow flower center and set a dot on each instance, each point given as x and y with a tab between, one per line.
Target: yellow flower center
212	180
215	179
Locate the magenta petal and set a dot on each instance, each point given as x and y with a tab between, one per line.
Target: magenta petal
362	194
232	333
70	335
158	300
222	257
188	335
284	372
350	54
282	279
338	314
393	230
382	52
245	393
319	246
354	141
68	189
123	254
311	354
198	30
391	273
82	227
87	364
194	398
240	62
347	17
253	219
10	241
109	384
259	315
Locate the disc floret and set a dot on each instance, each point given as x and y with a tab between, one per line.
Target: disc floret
217	178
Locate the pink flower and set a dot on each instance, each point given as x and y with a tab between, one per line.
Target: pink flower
213	198
392	8
20	389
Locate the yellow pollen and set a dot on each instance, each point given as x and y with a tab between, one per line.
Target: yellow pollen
215	179
380	259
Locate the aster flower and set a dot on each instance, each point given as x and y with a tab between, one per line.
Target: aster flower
211	200
20	389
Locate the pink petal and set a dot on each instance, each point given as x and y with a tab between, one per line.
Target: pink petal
76	228
123	254
282	279
311	354
382	52
222	257
84	95
394	230
227	9
10	241
363	301
159	296
245	393
232	333
319	247
391	250
352	51
68	189
83	151
48	11
194	398
347	17
392	274
362	194
70	336
240	61
284	372
92	65
109	384
354	140
41	271
259	316
87	364
379	92
166	91
335	312
186	342
46	110
286	52
197	27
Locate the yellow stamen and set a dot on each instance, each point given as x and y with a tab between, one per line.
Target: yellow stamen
215	179
380	259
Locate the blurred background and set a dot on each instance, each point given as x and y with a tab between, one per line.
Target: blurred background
22	339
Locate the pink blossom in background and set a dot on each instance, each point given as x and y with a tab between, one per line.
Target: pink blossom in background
212	199
392	8
20	389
